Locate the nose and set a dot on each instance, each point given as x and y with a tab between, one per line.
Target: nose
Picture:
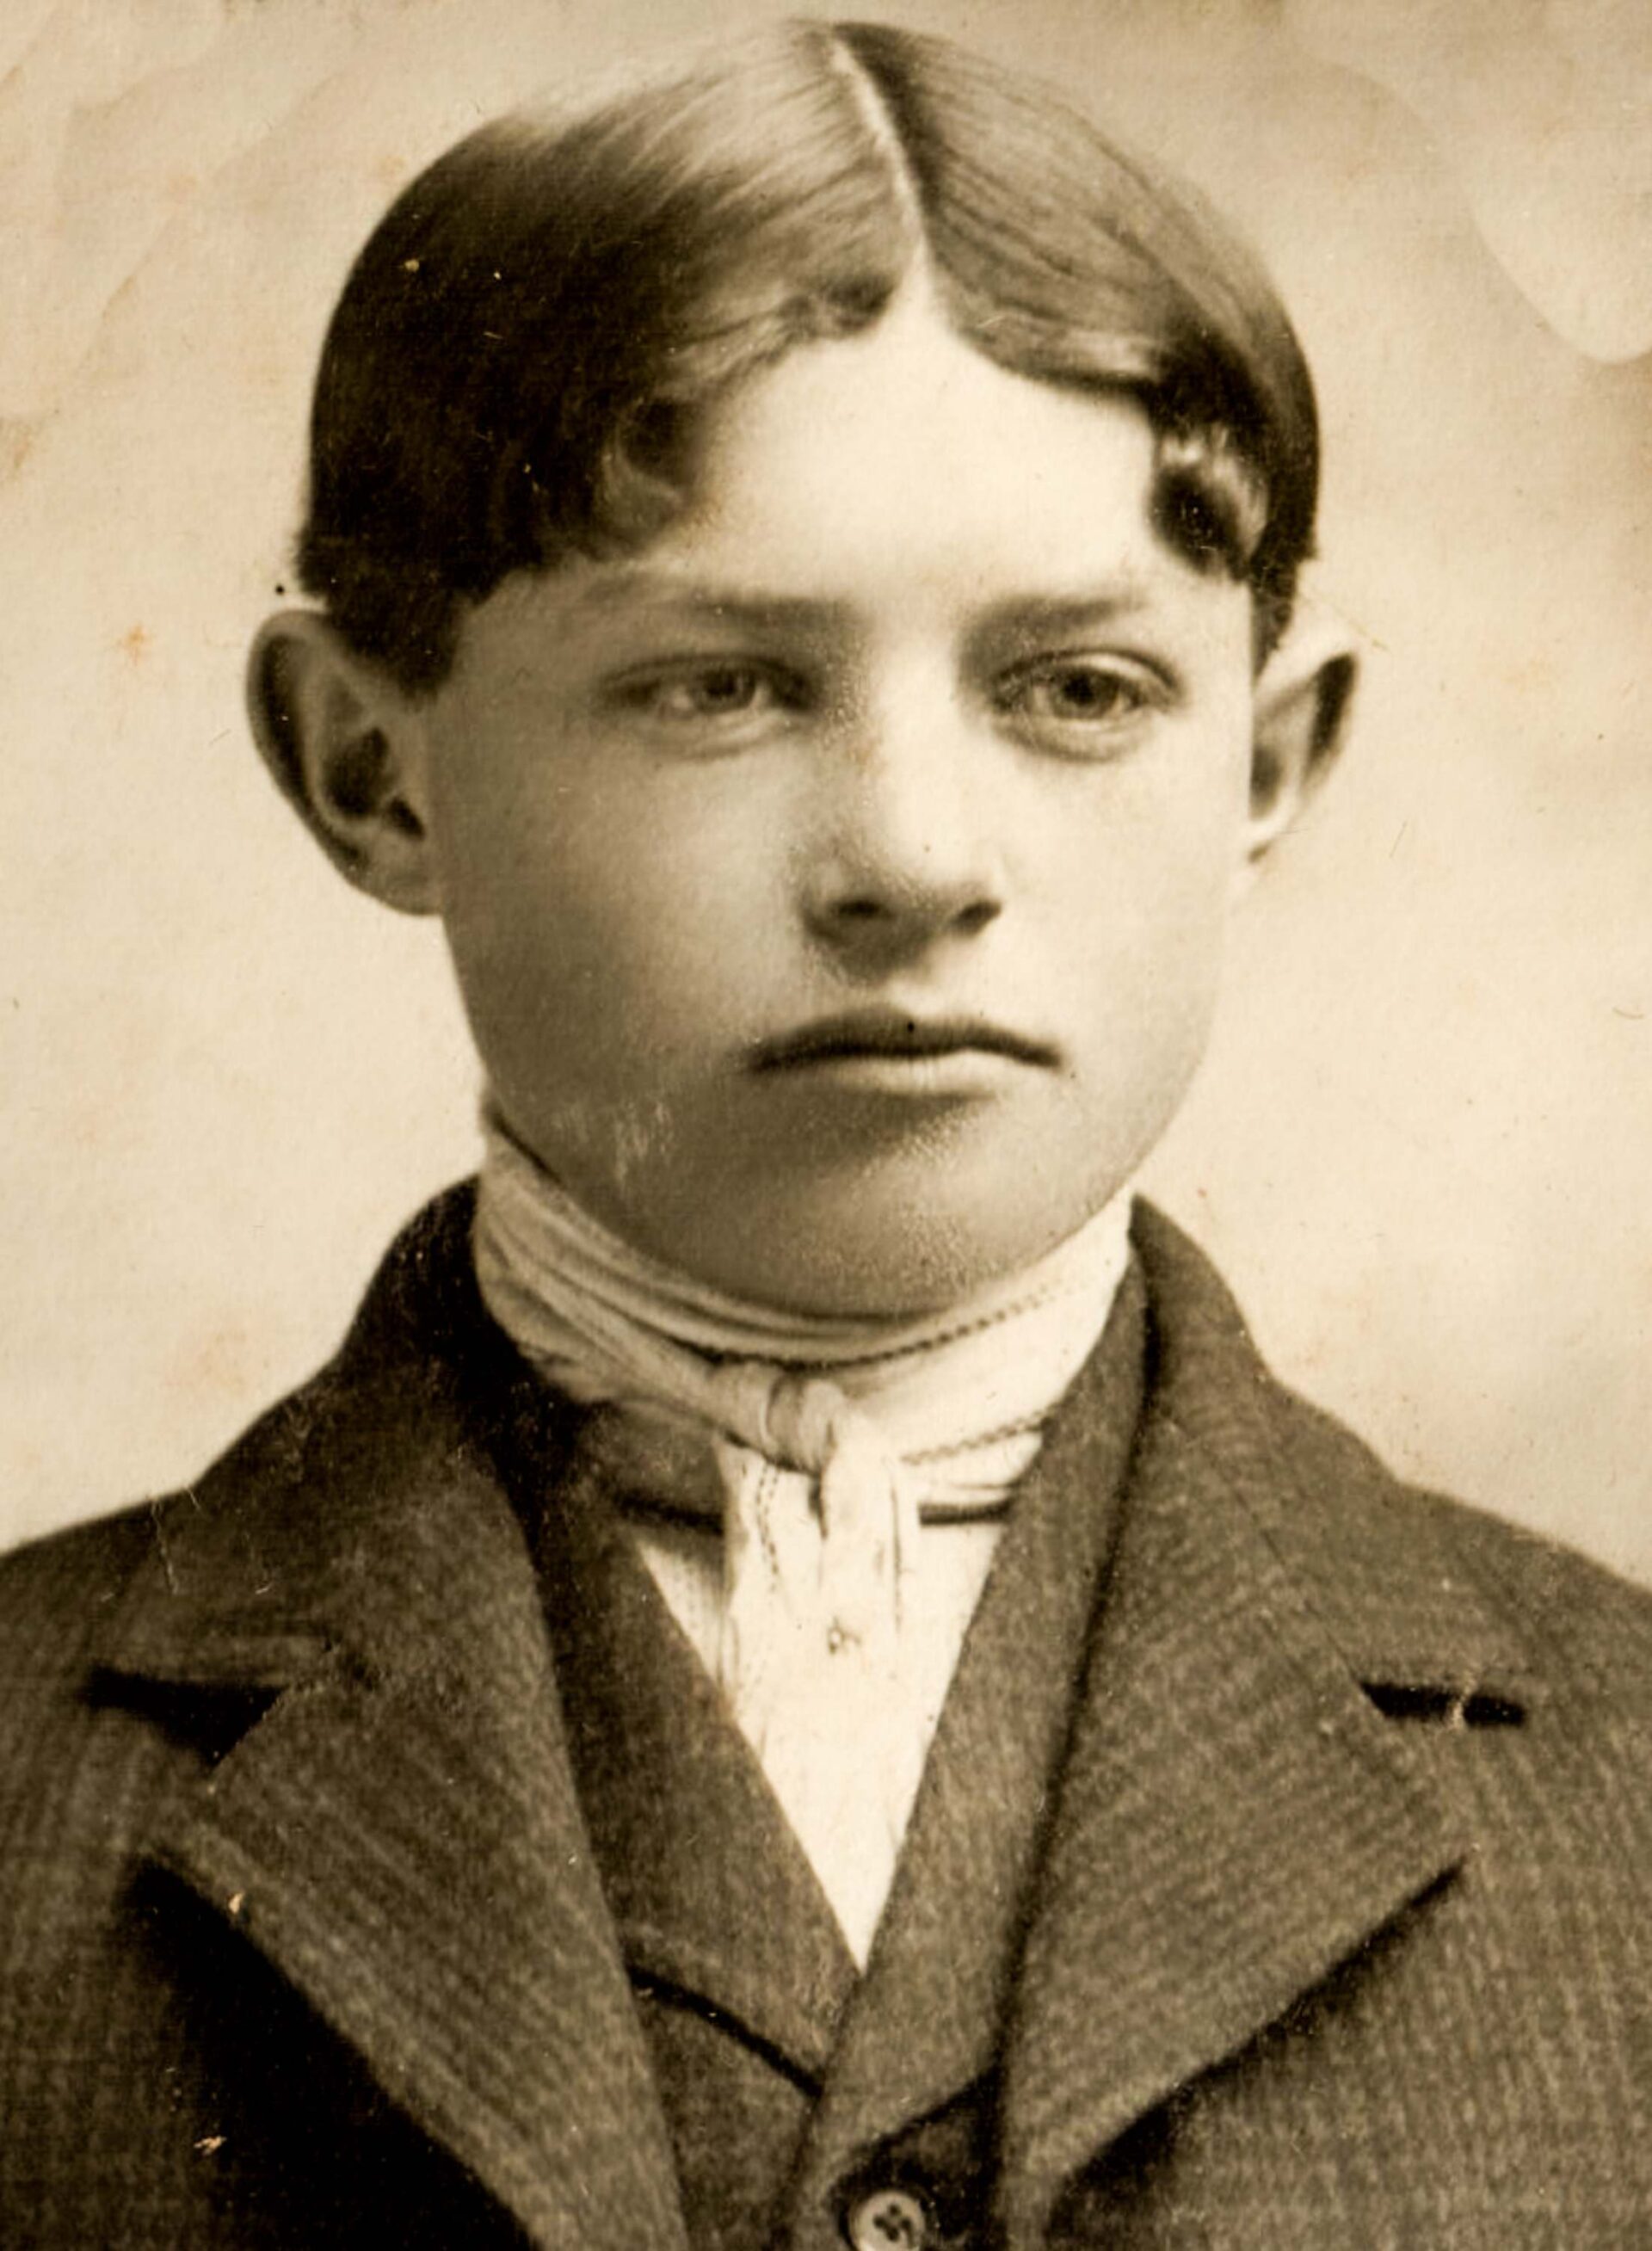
907	856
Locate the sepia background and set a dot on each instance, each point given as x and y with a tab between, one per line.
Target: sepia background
1420	1146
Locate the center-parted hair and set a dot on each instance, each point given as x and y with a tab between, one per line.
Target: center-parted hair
514	372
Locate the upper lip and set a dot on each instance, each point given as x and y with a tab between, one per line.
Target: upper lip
896	1032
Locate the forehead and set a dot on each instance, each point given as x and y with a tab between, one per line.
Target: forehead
902	454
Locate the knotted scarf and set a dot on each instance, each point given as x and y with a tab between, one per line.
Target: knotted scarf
842	1445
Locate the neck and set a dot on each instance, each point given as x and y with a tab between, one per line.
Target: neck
529	1226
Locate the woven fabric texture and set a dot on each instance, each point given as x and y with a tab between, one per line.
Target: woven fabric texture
375	1867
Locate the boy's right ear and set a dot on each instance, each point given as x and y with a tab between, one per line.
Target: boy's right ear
349	754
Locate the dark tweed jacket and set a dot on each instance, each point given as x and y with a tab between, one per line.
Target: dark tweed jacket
376	1864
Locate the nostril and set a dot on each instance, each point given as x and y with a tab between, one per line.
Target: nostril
865	910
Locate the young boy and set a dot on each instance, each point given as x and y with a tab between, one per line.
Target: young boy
796	1681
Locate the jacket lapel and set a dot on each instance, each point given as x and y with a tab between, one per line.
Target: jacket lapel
399	1833
1235	1817
925	2026
713	1895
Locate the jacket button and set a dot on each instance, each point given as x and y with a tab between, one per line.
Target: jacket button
888	2220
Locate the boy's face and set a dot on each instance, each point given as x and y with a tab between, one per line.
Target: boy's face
837	891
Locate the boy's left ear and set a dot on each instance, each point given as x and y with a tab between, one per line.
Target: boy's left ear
1300	702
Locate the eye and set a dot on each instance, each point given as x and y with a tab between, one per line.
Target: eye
710	693
1085	703
714	691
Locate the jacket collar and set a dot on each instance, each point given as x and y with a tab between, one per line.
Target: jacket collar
1237	1818
400	1832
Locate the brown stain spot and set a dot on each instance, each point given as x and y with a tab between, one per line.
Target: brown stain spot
135	646
17	436
1532	675
218	1366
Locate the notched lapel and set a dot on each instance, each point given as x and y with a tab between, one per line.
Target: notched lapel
399	1833
1236	1819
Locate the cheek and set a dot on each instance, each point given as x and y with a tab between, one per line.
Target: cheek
1149	911
598	930
548	952
1148	865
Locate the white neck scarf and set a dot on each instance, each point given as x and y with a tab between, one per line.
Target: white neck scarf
832	1438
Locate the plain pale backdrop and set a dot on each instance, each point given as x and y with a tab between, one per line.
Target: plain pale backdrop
1419	1145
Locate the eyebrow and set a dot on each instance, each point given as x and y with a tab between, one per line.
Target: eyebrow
1065	615
635	585
1062	615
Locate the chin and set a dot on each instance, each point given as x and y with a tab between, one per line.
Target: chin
875	1255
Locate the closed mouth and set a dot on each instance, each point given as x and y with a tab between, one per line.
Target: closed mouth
890	1033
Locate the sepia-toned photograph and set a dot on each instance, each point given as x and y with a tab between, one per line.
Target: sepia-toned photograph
826	1063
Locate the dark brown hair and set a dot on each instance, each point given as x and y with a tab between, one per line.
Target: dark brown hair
513	371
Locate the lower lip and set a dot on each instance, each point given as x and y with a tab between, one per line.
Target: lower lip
957	1075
